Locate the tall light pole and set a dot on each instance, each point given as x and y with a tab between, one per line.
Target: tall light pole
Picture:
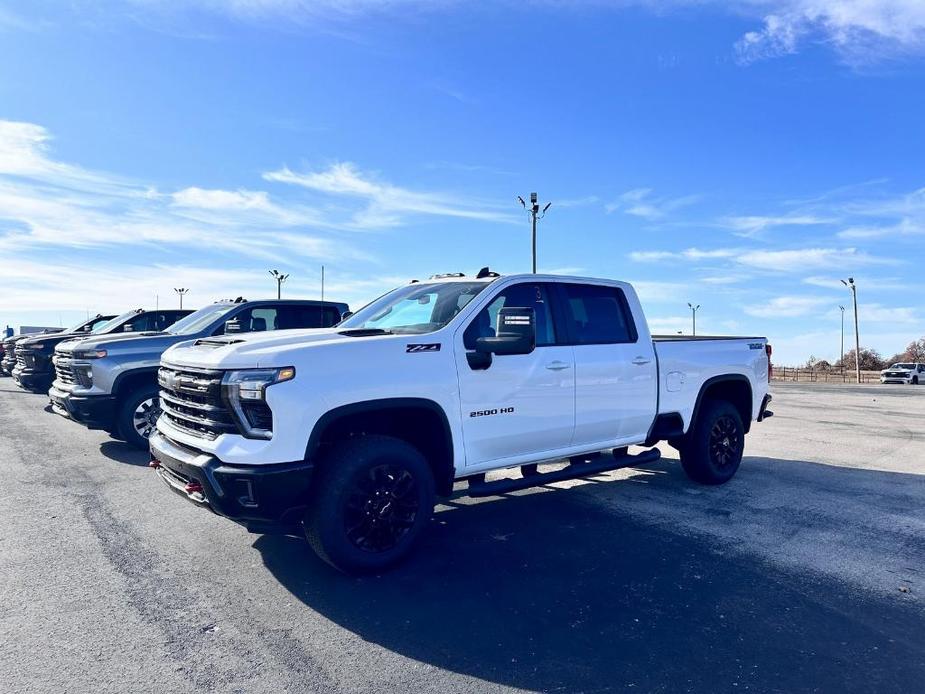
280	278
535	214
842	360
181	291
694	316
857	338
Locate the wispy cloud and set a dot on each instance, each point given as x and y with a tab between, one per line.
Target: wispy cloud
786	307
754	225
860	30
387	205
790	260
640	202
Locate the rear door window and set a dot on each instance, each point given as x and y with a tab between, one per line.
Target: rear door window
597	314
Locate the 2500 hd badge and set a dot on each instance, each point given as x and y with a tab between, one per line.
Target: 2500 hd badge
488	413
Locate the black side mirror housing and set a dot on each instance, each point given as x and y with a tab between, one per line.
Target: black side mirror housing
515	334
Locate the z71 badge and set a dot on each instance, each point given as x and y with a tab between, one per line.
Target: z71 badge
433	347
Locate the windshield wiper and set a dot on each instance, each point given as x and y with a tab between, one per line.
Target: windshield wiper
364	332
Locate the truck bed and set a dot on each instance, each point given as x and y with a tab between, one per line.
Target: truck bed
687	362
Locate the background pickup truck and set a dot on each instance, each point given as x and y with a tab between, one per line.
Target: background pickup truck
109	382
8	350
439	381
34	370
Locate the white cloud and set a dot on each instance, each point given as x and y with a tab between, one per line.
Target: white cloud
386	205
808	259
687	254
860	30
749	226
786	307
640	202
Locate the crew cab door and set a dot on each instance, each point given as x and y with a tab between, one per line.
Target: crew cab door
522	404
616	375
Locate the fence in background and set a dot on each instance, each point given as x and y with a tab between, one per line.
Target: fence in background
789	373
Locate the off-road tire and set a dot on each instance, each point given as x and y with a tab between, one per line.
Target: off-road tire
347	496
712	451
125	417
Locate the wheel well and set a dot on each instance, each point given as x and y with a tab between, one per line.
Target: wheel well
421	423
132	381
735	390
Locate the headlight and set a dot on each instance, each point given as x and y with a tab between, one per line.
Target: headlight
244	392
89	353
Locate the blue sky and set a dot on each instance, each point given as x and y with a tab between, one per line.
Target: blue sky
739	155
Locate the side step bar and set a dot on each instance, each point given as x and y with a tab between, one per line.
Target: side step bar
479	487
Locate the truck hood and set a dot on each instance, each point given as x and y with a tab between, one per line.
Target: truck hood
124	342
257	350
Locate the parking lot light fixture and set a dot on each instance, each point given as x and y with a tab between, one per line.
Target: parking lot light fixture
693	317
842	358
280	278
181	291
857	338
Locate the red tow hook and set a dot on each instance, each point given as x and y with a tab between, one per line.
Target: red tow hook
193	488
155	463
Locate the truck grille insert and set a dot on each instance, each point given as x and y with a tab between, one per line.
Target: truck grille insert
67	373
191	400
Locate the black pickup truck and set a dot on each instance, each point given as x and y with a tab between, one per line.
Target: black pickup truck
8	349
33	369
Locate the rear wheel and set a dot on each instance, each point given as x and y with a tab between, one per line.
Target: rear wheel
138	415
374	497
712	451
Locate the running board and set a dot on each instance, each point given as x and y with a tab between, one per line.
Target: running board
478	487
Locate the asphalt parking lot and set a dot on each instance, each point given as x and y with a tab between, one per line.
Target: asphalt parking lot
805	573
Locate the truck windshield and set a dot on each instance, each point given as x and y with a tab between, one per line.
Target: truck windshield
415	309
114	323
906	367
200	319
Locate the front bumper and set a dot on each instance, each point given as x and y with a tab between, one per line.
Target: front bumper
93	411
31	379
894	379
262	498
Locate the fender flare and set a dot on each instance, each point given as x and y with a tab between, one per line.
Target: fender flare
724	378
444	467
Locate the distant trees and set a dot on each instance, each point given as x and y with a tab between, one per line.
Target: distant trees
915	352
870	360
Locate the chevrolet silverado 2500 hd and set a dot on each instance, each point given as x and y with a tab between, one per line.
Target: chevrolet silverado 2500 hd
109	382
34	369
348	434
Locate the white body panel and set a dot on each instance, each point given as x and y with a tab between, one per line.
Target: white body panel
565	399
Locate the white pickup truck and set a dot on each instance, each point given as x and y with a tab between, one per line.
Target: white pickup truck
347	435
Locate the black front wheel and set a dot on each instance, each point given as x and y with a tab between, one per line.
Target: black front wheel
373	498
137	417
712	450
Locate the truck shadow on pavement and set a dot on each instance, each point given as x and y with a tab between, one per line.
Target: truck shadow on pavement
121	452
549	591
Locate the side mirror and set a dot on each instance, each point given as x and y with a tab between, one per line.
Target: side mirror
345	315
232	326
515	334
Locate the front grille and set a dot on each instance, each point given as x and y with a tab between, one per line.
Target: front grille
24	361
66	373
191	400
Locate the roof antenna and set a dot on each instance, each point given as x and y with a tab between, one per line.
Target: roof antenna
485	272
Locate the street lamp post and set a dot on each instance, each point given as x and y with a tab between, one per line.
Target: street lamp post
857	339
693	317
280	278
181	291
535	214
842	360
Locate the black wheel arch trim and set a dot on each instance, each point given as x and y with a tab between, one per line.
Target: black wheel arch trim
125	375
445	471
725	378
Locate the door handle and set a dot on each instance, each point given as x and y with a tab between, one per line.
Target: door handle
641	361
557	365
